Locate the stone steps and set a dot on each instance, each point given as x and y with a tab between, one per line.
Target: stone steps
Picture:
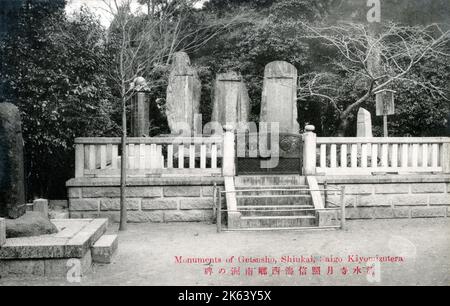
259	200
274	201
270	180
104	249
276	210
278	221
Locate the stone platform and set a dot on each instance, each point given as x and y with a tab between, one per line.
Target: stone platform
53	255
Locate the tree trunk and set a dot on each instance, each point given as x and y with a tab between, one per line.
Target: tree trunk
123	169
343	125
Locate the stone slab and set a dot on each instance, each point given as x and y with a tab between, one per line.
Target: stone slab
72	241
103	250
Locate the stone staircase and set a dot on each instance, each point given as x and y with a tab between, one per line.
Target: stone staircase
274	202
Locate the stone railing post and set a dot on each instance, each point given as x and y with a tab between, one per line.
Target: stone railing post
228	159
446	157
309	150
79	160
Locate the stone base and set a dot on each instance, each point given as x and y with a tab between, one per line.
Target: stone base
55	268
66	254
391	196
155	200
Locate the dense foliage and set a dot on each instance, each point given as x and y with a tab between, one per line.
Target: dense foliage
53	70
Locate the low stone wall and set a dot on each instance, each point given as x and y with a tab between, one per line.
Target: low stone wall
148	199
392	196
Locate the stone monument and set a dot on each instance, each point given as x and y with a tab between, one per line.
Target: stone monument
140	109
364	123
12	183
279	97
231	100
183	95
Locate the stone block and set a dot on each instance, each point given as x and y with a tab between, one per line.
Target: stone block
156	204
373	200
182	191
402	212
428	212
428	188
391	188
58	204
112	216
62	268
103	250
144	192
326	218
439	199
41	206
2	232
188	216
198	203
350	200
411	200
207	191
359	189
114	204
74	192
84	204
84	215
383	213
100	192
21	268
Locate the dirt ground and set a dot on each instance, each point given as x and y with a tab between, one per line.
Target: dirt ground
147	256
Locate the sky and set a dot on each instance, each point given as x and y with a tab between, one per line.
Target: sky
99	7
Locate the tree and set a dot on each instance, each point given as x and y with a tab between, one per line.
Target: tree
52	69
142	45
370	62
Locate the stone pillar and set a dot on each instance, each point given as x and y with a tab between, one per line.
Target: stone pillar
309	151
12	183
445	157
183	95
231	100
228	161
2	232
364	124
140	115
41	205
279	97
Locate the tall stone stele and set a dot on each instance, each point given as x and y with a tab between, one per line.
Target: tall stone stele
140	109
12	183
279	97
183	95
231	100
364	123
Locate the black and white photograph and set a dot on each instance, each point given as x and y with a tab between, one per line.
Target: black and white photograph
204	144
